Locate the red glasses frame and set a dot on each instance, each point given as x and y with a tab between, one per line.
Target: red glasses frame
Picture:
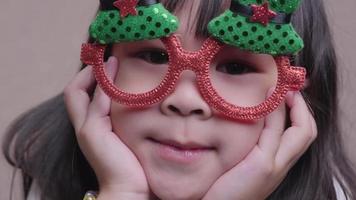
289	78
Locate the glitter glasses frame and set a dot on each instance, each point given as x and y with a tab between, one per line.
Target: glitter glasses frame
290	78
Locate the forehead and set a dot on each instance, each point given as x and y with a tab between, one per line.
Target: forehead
190	15
198	12
187	16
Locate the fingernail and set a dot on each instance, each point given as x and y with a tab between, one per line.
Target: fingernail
297	93
111	60
290	95
110	63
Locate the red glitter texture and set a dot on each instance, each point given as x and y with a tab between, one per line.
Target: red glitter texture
126	7
289	78
262	14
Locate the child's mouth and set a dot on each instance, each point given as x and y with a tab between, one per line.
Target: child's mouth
180	153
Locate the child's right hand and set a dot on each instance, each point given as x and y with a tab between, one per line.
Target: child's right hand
118	171
277	150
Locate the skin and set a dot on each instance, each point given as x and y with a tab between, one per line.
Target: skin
232	140
247	161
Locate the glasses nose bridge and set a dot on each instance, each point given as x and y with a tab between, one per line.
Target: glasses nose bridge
192	61
196	61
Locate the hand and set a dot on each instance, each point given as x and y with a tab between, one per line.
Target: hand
264	168
119	173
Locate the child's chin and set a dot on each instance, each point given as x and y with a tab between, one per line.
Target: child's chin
172	193
177	188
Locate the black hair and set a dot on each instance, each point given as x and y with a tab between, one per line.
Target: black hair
42	142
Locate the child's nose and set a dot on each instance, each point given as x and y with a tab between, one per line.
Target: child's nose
186	99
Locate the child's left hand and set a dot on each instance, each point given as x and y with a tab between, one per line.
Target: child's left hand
264	168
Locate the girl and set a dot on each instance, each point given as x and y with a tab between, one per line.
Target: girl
188	143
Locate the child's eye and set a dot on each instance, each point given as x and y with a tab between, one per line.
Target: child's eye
235	68
154	56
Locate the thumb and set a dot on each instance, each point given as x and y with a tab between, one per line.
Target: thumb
112	68
273	128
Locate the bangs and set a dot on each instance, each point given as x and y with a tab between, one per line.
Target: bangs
208	10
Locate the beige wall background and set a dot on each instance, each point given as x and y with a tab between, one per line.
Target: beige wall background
40	46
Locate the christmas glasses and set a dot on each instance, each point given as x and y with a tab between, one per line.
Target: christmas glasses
236	92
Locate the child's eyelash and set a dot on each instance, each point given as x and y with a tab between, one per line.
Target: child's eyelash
236	68
152	55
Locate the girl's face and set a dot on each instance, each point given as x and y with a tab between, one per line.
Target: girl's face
208	144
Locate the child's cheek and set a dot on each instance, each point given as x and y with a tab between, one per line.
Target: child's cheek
123	124
237	141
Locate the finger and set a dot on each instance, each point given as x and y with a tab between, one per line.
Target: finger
299	113
76	96
273	129
100	106
97	121
300	135
313	125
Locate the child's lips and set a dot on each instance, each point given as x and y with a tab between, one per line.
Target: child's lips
181	153
183	146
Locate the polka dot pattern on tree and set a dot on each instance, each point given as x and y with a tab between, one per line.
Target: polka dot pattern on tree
151	22
275	39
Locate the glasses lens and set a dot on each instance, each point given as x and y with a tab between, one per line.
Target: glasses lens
142	65
245	78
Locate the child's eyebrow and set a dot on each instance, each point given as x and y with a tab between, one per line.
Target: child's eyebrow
156	42
146	43
240	54
229	48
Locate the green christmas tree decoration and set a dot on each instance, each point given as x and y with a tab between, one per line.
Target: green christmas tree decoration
247	30
151	22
